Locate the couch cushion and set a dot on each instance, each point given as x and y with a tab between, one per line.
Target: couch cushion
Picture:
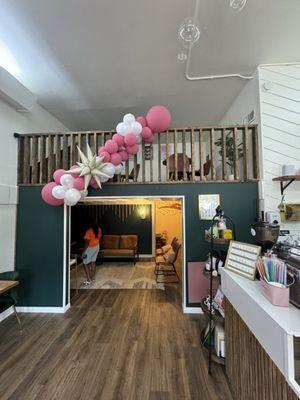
110	242
117	252
128	241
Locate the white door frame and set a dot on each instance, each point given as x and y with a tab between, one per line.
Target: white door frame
67	219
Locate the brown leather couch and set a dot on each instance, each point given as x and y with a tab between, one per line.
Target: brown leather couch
119	246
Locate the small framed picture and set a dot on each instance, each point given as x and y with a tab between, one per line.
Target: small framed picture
207	205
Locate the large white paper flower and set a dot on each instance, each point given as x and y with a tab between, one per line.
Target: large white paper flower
90	167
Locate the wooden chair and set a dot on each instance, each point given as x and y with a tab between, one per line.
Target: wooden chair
161	252
165	268
10	298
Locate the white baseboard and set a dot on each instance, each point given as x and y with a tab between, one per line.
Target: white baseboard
41	310
192	310
6	313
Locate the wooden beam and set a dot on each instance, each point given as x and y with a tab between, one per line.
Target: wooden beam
235	154
255	153
26	172
167	157
34	160
212	154
143	163
184	154
57	151
43	166
50	156
193	153
159	160
200	155
175	155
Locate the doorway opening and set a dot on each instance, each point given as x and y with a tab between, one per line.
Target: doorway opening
153	225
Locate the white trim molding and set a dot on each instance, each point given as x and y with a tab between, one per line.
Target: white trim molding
192	310
6	314
42	310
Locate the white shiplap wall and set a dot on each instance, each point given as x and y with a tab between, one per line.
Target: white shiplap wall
280	129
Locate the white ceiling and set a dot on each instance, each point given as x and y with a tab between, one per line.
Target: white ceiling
91	61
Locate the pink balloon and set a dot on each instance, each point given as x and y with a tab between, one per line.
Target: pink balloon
102	148
58	174
132	149
149	139
146	132
74	175
130	139
106	155
142	121
47	195
94	184
124	155
78	183
119	139
111	146
116	159
158	118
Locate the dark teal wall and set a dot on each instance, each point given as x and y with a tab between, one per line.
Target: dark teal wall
40	230
112	224
39	250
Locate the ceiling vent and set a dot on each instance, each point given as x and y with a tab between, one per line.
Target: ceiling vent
14	93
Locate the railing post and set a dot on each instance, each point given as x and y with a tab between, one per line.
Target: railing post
20	157
212	154
66	159
193	153
151	162
26	173
143	163
184	154
43	169
200	155
224	155
34	160
167	157
235	154
175	155
255	153
50	156
159	161
245	153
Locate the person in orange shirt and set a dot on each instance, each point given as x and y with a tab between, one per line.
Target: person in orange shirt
90	252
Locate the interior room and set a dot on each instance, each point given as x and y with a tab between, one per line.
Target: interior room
150	200
133	232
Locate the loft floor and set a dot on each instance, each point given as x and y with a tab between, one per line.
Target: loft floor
112	344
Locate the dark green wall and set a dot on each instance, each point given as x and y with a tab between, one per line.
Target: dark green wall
112	224
39	250
40	230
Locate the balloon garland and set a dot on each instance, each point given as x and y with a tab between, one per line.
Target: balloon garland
93	170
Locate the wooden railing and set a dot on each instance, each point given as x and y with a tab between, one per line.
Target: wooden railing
210	154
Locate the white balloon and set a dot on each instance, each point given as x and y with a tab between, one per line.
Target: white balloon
84	193
136	128
58	192
109	169
118	169
127	129
67	181
120	128
72	195
128	118
138	139
69	203
103	179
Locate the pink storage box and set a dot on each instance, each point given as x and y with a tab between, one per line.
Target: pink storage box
276	295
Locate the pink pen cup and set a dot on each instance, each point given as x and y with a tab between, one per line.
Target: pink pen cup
276	295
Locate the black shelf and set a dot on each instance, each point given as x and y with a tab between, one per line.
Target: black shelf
217	317
212	354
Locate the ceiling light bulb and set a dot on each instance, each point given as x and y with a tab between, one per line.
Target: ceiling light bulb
237	5
188	32
182	57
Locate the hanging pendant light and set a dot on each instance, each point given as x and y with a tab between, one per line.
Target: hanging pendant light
237	5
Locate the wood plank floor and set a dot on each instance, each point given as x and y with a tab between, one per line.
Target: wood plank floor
112	344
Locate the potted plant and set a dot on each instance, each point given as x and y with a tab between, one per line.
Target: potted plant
230	153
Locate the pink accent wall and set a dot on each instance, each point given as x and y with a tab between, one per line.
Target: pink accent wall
198	284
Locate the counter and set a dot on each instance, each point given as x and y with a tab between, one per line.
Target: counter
273	327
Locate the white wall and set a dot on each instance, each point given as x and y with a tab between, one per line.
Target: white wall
38	120
277	112
280	125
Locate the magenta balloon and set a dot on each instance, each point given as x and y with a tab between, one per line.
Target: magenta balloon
142	121
58	174
124	155
94	184
158	118
78	183
47	195
111	146
74	175
130	139
105	154
149	139
119	139
116	159
146	132
102	148
132	149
